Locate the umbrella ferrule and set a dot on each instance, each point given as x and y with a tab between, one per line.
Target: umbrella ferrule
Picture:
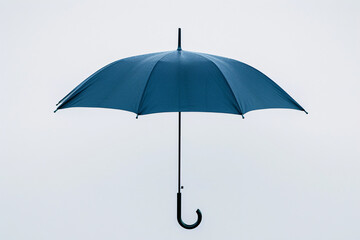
179	40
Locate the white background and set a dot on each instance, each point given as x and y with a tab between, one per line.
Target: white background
101	174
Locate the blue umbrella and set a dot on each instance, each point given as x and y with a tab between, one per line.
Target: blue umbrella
179	81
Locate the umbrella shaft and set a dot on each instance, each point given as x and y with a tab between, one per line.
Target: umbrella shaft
179	167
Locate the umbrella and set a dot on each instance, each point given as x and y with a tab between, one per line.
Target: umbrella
179	81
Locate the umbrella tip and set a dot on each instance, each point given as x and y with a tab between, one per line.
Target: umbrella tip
242	116
137	116
306	112
179	39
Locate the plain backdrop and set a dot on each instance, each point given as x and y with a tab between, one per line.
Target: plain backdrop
101	174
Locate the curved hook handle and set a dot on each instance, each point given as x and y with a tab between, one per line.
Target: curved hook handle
180	221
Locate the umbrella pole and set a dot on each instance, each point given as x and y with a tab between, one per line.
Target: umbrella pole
198	212
179	155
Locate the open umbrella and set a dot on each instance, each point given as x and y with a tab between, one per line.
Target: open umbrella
179	81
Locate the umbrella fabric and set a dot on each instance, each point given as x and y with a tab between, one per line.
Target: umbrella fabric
179	81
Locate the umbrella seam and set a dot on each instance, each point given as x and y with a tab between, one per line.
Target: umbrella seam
147	81
227	83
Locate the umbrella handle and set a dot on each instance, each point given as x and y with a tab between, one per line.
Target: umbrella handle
180	221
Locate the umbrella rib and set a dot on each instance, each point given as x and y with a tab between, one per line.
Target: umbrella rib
147	81
226	81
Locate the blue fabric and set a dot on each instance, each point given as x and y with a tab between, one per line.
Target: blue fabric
179	81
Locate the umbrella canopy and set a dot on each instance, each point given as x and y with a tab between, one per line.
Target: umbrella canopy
179	81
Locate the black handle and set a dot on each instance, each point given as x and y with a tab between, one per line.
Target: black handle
180	221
